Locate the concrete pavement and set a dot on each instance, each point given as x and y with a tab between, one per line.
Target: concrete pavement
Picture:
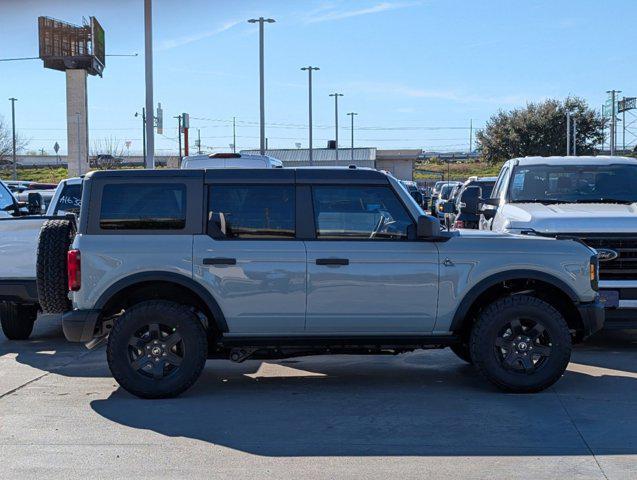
420	415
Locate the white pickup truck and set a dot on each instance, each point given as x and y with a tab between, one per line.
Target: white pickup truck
592	199
19	234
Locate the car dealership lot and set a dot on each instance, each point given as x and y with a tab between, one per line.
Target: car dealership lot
417	415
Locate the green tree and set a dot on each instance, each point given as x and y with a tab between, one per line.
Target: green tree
540	129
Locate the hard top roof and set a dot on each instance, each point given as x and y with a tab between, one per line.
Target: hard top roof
583	160
340	175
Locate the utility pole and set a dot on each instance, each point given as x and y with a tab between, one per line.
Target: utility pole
143	132
234	136
15	161
199	141
336	95
178	117
575	136
309	70
148	57
261	21
470	136
568	134
352	114
624	127
613	121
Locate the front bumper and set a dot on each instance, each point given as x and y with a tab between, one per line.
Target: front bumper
593	315
79	325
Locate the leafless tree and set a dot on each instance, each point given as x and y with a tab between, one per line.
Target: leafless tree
6	143
107	153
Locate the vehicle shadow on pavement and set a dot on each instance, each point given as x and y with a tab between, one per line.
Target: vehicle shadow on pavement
48	350
424	403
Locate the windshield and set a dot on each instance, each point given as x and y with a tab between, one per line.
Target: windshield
574	184
446	191
6	199
70	199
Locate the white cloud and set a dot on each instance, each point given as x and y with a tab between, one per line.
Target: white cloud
196	36
328	13
402	90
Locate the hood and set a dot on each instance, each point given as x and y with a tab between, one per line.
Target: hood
572	217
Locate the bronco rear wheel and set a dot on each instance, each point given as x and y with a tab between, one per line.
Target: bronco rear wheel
157	349
521	344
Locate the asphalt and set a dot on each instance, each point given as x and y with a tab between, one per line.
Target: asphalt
419	415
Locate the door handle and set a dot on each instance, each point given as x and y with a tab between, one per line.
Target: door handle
332	261
219	261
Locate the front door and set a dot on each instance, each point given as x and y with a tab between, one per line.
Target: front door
250	260
364	275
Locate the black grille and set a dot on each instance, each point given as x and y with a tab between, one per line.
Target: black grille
624	267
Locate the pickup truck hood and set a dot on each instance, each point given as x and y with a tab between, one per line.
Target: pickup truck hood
571	217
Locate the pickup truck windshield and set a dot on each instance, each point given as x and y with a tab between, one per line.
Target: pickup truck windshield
574	184
70	199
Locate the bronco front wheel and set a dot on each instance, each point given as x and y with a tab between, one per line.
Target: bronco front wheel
157	349
521	344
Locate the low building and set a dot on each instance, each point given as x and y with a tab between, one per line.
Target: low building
400	163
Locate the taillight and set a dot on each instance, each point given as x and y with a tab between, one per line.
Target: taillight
458	224
74	270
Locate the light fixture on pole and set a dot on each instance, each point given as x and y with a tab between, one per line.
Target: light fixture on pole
336	95
261	21
352	114
309	70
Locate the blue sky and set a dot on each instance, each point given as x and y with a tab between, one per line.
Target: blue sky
411	69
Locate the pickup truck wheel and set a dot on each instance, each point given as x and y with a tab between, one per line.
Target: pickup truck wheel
157	349
17	320
462	351
55	239
521	344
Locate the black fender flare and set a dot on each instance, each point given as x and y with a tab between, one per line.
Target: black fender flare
171	277
482	286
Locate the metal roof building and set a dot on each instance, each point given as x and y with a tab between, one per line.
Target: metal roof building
300	157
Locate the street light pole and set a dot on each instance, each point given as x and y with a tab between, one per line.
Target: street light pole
178	117
261	21
15	164
336	95
613	121
568	134
148	57
352	114
309	70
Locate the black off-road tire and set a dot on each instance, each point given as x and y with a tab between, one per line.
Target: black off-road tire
171	317
55	239
490	323
462	351
17	320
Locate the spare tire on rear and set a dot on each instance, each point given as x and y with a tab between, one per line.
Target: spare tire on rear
55	239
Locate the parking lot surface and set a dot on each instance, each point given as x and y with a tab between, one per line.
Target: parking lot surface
419	415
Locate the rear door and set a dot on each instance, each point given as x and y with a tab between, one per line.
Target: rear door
365	274
250	259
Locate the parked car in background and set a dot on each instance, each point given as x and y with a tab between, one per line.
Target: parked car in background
416	193
461	218
446	191
19	301
230	160
592	199
17	186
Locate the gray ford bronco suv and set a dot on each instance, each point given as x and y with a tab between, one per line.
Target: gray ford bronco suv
174	267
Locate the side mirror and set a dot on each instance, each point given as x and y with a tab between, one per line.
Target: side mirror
428	227
34	203
470	200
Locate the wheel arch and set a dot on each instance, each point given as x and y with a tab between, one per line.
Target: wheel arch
161	285
556	291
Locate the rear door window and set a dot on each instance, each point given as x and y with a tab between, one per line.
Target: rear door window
143	206
251	211
6	199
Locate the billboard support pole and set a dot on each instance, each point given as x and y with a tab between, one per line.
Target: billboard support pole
148	57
